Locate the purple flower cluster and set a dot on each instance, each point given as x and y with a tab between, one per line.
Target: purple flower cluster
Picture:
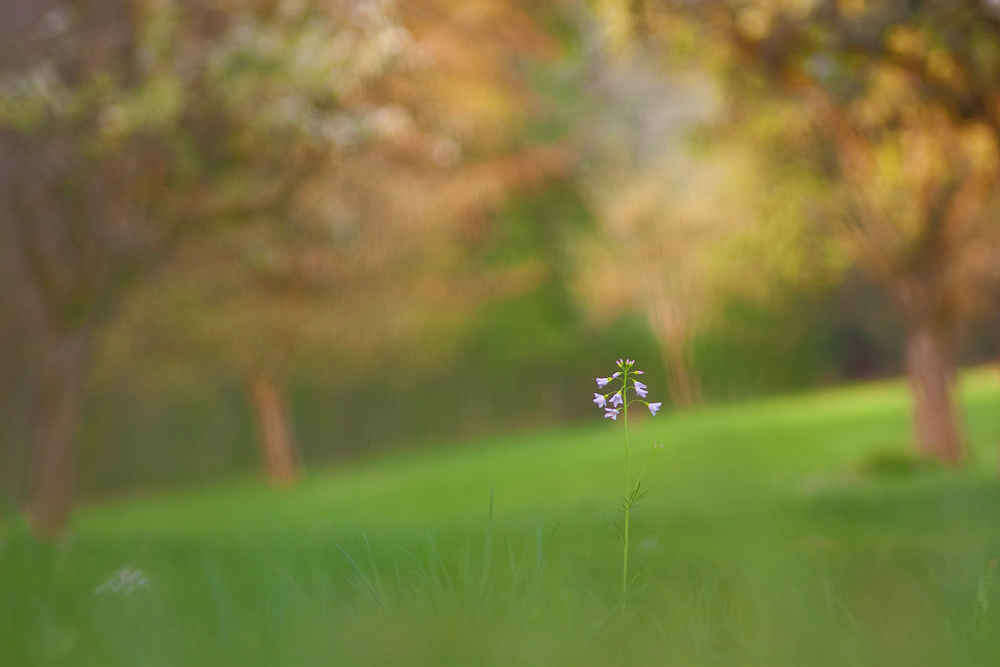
619	399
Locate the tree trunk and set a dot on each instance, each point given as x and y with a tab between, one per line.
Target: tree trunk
274	429
63	375
930	358
684	383
675	323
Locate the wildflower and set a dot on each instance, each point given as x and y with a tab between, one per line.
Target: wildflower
618	402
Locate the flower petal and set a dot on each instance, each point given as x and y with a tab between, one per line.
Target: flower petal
653	407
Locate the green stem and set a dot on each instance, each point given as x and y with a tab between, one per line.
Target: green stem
643	471
628	487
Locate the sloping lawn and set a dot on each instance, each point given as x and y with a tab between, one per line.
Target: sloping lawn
789	531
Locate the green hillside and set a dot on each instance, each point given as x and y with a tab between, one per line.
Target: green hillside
789	531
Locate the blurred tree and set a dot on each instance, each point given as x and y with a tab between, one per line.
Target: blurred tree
364	269
369	250
681	215
659	238
125	126
895	108
18	349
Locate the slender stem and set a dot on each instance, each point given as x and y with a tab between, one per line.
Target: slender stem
643	471
628	488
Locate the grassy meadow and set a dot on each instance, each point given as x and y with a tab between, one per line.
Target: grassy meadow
794	531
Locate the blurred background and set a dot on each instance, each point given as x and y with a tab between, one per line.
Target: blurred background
259	237
294	293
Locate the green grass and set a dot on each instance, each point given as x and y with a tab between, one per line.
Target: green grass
787	531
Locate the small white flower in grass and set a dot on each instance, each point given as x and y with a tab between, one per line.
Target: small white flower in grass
125	581
653	407
640	389
651	543
612	413
600	400
616	400
615	375
602	381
